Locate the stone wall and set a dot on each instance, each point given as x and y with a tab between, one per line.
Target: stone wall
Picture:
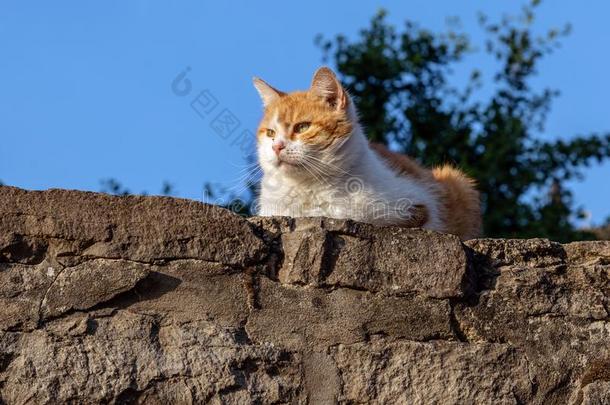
161	300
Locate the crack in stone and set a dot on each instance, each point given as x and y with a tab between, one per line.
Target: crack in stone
40	320
454	323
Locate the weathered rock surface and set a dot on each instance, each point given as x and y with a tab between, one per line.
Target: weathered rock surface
160	300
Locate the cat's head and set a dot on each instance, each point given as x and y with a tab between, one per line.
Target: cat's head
301	132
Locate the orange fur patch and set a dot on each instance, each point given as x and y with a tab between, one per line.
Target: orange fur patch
461	208
327	124
462	213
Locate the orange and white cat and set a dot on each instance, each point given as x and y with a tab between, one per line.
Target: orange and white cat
316	161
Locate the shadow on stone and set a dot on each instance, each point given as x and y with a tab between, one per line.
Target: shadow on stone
155	285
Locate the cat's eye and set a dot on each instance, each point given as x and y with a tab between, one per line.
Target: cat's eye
270	133
301	127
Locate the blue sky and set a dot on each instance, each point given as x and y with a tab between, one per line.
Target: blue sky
87	94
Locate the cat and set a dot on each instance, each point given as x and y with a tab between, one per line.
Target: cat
316	161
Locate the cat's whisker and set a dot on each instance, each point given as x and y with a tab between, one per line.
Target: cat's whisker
330	165
242	164
339	144
319	168
313	161
249	173
318	177
305	166
246	178
323	173
334	148
241	189
248	167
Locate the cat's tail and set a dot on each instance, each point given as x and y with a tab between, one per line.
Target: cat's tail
461	202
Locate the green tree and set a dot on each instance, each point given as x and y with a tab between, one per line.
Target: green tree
399	80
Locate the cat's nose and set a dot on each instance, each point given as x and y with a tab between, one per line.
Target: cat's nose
278	146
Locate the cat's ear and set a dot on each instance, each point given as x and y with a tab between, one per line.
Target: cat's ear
268	93
325	84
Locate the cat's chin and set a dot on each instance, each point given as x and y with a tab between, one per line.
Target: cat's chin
289	168
283	165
